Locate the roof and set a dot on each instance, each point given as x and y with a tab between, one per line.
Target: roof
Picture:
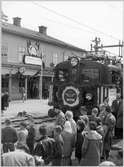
13	29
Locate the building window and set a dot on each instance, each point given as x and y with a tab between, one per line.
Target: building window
21	52
5	83
55	58
4	50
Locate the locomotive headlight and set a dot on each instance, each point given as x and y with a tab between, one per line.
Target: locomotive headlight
74	61
89	96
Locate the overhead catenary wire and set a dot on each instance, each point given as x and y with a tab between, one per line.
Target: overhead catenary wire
75	21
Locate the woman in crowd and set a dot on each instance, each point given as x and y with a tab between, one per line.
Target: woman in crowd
22	134
69	117
109	123
85	118
60	118
91	148
68	144
94	116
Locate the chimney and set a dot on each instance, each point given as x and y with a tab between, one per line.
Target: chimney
43	30
17	21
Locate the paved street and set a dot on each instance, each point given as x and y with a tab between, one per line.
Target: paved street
33	107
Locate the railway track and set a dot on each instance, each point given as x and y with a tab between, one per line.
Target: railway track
38	120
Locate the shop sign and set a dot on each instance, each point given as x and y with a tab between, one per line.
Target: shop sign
112	95
33	48
32	60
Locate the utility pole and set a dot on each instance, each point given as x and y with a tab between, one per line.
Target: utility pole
96	46
112	46
41	79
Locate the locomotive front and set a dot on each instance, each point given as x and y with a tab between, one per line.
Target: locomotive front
72	87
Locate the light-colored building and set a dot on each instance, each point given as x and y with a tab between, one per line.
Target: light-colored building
22	50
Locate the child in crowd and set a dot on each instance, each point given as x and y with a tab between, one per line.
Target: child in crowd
31	134
80	139
102	109
59	146
86	120
22	134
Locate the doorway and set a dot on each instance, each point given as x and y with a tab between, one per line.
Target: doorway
32	87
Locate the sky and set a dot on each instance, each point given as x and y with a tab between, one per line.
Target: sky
74	22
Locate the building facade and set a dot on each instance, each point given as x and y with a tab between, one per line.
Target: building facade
28	58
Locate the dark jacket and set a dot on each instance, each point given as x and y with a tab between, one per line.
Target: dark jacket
78	145
119	123
45	148
31	134
115	107
109	123
9	135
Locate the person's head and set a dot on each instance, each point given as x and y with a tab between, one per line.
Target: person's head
108	109
67	127
43	130
83	110
102	107
21	146
85	119
106	100
95	111
68	115
74	61
57	111
7	122
57	130
23	125
31	120
92	125
80	125
106	163
118	96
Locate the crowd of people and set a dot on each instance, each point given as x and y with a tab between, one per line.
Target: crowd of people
90	138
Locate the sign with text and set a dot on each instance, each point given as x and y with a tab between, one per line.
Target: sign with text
112	95
32	60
